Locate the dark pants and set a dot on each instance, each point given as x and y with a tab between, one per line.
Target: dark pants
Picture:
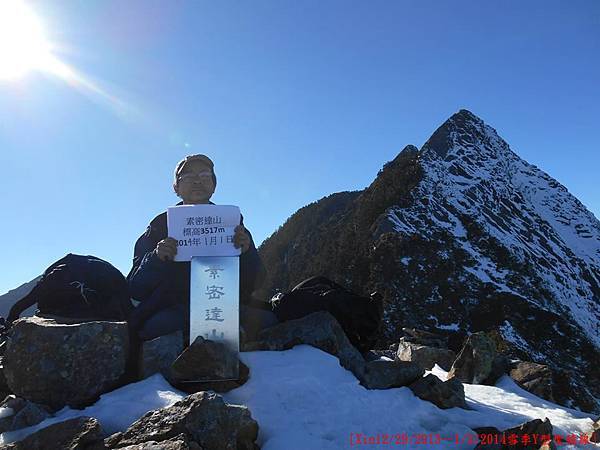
169	320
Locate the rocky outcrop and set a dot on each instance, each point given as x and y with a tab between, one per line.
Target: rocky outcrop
80	433
4	389
207	365
500	366
180	442
444	394
424	338
21	413
535	378
203	419
553	384
464	235
426	356
381	374
319	329
59	364
205	360
474	362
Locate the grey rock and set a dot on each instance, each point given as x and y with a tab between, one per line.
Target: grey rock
207	365
529	429
181	442
382	374
202	418
59	364
4	389
423	337
568	388
474	362
426	356
80	433
444	394
500	367
205	360
535	378
319	329
24	413
158	354
216	385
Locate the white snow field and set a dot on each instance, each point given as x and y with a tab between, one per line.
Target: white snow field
303	399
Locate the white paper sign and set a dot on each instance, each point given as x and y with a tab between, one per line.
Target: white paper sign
203	230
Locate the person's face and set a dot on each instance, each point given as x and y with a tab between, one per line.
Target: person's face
195	183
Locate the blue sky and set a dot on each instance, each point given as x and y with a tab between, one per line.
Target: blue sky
293	100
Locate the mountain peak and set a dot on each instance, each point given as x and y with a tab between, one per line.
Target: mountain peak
466	114
462	127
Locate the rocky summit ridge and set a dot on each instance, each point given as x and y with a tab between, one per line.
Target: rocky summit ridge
460	236
471	176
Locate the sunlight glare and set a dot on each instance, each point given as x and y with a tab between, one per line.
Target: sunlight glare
23	46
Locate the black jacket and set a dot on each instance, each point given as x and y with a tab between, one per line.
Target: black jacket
149	272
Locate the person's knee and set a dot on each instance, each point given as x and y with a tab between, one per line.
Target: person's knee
164	322
254	320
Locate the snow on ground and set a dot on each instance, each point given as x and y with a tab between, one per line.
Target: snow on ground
302	398
116	410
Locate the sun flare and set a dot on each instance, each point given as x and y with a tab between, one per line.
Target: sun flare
23	46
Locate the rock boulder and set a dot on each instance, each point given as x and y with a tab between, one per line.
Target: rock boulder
382	374
80	433
207	365
535	378
424	355
474	362
203	419
319	329
21	413
444	394
58	364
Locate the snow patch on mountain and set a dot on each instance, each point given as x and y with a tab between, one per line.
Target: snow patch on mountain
471	176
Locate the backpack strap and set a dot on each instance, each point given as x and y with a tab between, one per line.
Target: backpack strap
319	281
27	301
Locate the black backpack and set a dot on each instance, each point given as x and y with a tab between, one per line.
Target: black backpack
79	287
358	316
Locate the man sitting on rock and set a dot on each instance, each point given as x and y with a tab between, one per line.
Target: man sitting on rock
163	286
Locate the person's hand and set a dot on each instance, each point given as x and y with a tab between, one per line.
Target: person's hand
241	238
166	249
